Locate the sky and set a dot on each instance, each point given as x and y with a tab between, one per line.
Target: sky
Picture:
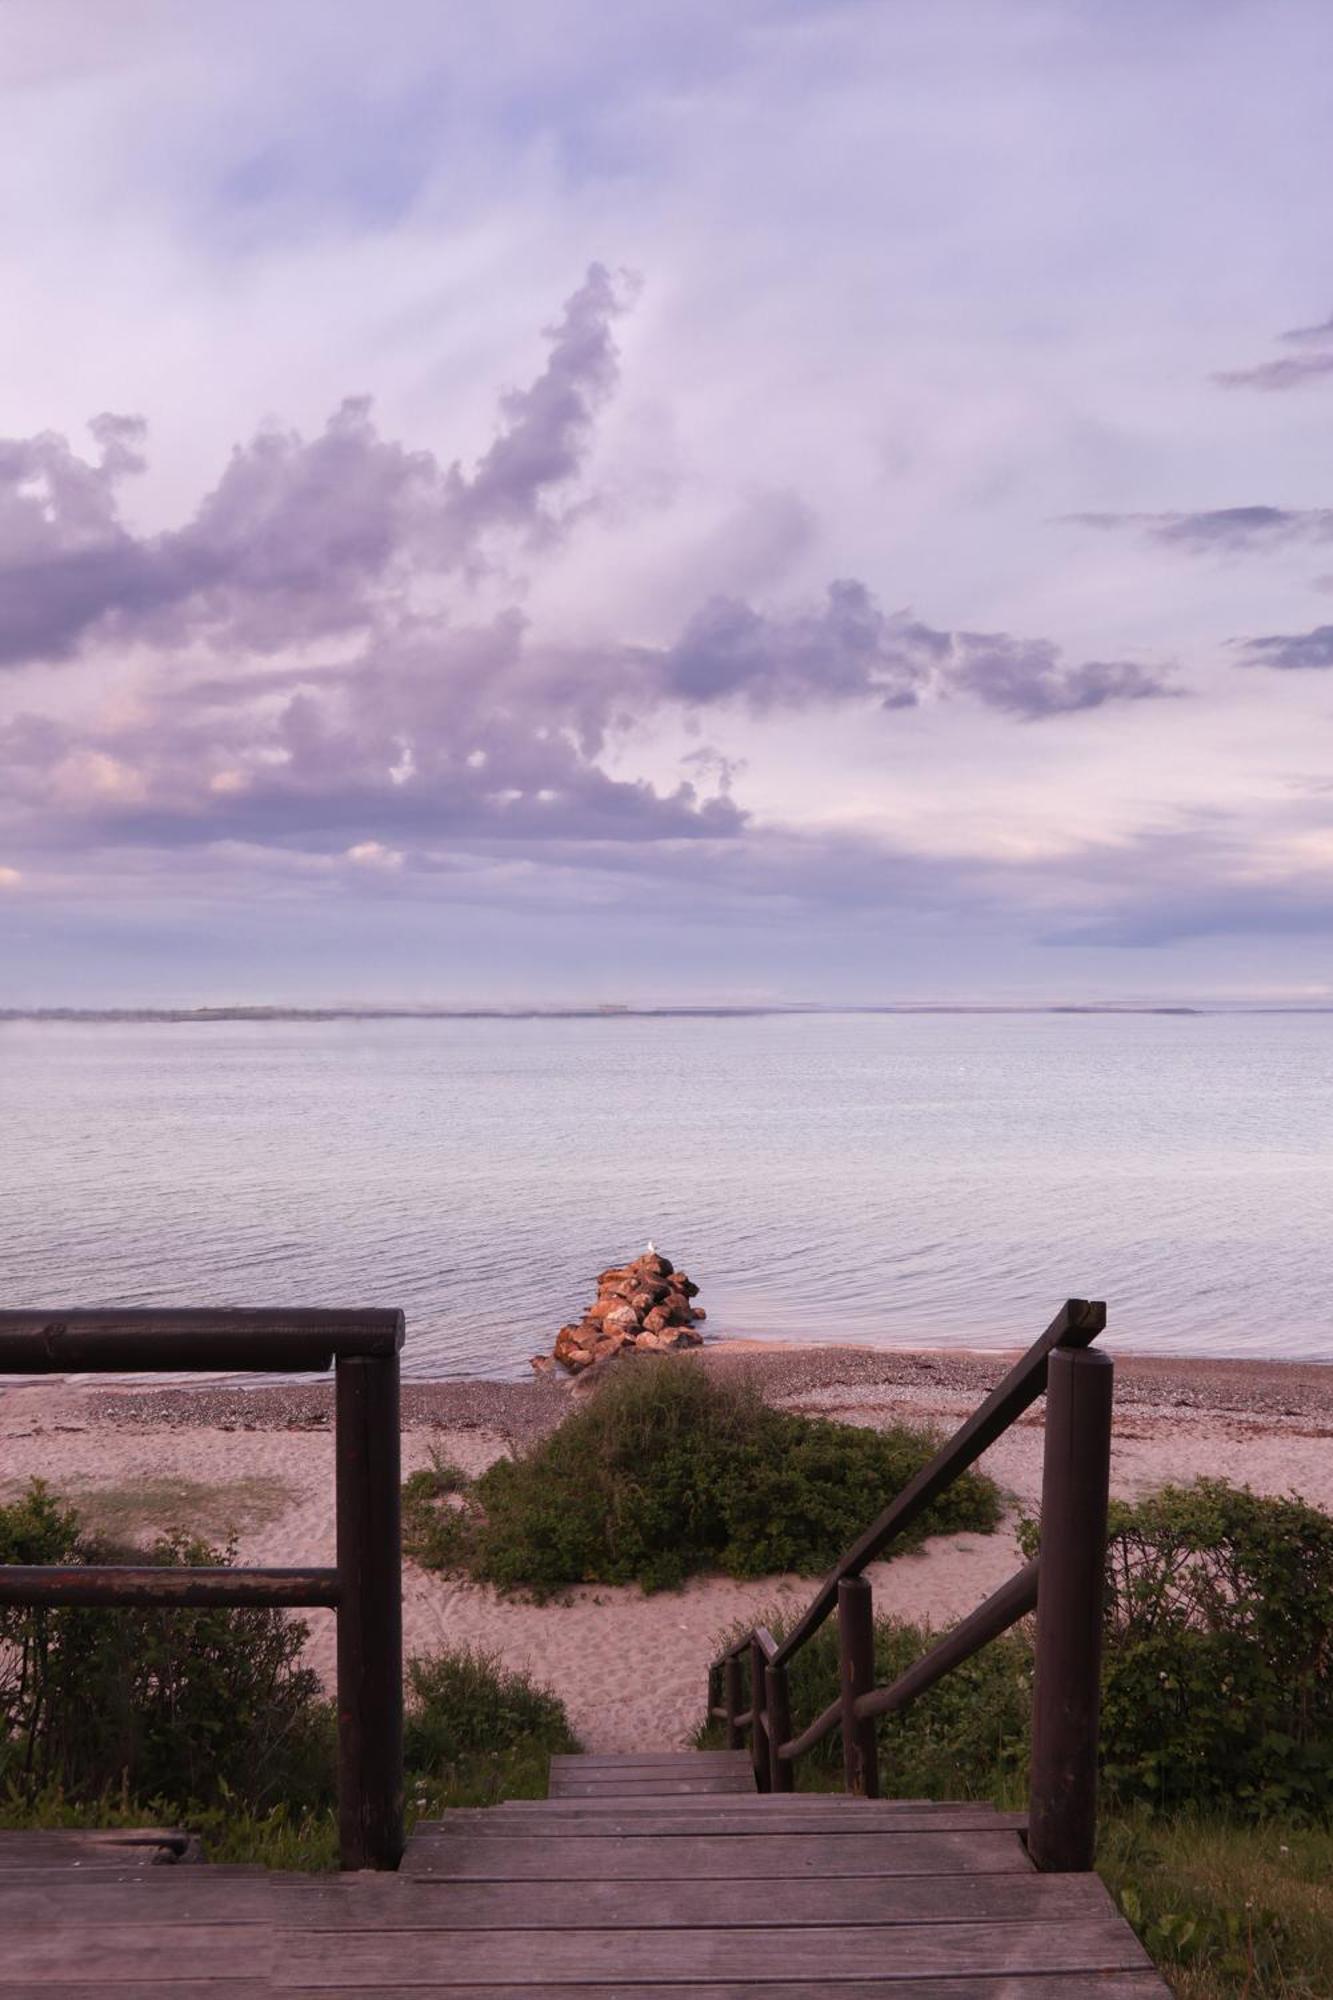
803	500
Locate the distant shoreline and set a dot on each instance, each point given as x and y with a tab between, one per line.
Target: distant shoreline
206	1016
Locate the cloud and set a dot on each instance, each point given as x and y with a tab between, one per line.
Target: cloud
1292	371
300	539
1228	530
1293	650
847	648
1323	332
374	854
1026	678
850	649
328	675
9	878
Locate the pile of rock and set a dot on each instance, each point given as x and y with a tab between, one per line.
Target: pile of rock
644	1306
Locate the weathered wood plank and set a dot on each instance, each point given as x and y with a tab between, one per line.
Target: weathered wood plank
760	1805
136	1956
717	1787
782	1856
616	1760
425	1904
221	1988
395	1904
753	1805
92	1847
1007	1986
551	1958
707	1818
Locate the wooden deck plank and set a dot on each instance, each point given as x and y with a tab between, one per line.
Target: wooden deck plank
757	1803
442	1905
393	1904
91	1847
548	1959
637	1878
134	1956
197	1989
720	1786
1007	1986
633	1760
690	1826
781	1856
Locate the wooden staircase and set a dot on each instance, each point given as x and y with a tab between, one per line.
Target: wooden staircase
653	1877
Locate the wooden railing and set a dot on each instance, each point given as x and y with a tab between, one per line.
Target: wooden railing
1064	1584
365	1588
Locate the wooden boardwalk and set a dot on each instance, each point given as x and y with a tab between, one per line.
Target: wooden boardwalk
662	1877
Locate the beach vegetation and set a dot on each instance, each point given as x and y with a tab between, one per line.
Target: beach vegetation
1218	1679
1217	1733
195	1704
666	1472
436	1514
207	1719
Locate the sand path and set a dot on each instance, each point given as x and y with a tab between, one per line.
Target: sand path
631	1668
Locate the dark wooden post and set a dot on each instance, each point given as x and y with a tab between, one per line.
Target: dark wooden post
856	1667
781	1772
758	1732
731	1699
370	1614
1062	1814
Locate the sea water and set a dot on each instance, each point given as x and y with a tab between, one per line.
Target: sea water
899	1180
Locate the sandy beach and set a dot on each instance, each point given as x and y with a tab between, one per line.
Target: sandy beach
258	1462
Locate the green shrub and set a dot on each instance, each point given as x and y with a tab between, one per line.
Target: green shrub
1217	1683
1218	1687
182	1706
207	1718
966	1739
666	1472
435	1531
465	1700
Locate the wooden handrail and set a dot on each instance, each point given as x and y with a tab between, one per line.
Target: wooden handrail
1003	1608
104	1584
365	1588
176	1341
1077	1323
818	1730
1063	1584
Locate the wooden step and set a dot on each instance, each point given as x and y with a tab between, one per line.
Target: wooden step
782	1855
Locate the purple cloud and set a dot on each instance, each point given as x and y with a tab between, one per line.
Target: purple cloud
1292	371
1024	677
848	648
300	539
1323	332
1229	530
344	698
1293	650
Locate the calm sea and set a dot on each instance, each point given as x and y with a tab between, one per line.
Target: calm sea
894	1180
